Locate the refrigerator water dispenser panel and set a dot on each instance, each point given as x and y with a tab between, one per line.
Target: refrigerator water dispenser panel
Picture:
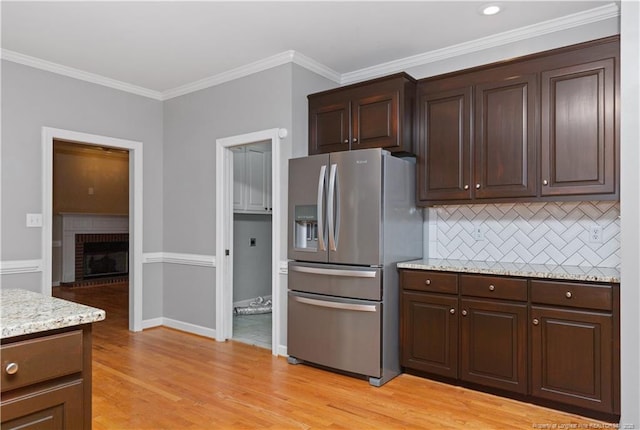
306	227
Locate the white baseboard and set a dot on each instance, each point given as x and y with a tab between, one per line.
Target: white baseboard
282	351
189	328
153	322
10	267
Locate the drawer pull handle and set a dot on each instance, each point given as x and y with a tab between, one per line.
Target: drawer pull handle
568	294
427	282
12	368
464	313
452	311
492	288
536	321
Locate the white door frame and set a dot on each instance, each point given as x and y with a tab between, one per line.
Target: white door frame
224	230
135	210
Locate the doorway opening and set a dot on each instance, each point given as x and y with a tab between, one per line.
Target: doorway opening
252	227
118	224
225	249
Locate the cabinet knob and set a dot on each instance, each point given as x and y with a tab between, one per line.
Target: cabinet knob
427	282
464	313
492	288
477	186
568	294
545	182
466	187
536	321
12	368
346	141
452	311
355	140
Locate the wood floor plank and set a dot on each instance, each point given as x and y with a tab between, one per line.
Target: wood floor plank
166	379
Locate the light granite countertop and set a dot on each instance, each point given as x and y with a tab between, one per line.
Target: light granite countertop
26	312
571	273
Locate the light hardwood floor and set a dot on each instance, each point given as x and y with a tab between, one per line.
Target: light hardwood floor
165	379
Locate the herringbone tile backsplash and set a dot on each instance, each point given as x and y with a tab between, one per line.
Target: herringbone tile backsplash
537	233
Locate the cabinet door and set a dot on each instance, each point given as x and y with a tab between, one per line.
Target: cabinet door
239	187
505	137
375	119
494	344
572	357
55	408
578	129
444	151
430	333
255	180
329	123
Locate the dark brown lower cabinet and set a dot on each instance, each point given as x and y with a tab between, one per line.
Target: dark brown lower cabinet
46	380
572	357
430	333
60	407
493	344
552	342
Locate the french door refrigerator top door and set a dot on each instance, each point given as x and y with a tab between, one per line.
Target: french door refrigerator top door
335	204
354	207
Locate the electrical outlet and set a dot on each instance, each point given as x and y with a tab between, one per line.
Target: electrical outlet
34	220
595	234
478	233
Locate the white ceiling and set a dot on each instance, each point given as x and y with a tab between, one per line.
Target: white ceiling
161	47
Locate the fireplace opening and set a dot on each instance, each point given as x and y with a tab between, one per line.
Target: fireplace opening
105	259
101	256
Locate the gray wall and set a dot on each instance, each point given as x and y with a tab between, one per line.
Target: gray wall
33	98
251	264
192	124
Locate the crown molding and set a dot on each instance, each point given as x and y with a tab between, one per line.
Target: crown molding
59	69
255	67
551	26
567	22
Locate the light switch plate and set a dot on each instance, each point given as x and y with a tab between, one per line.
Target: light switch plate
34	220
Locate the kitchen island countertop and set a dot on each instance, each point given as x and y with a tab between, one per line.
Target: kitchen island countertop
26	312
572	273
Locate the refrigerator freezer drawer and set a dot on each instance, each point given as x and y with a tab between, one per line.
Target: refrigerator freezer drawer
335	280
338	333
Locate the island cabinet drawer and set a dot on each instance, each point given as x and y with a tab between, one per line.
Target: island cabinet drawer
495	287
576	295
435	282
40	359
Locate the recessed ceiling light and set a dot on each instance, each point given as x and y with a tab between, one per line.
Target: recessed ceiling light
490	9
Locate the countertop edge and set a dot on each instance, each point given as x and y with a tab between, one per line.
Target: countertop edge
501	271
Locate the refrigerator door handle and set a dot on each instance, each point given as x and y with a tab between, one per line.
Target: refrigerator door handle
321	181
335	305
334	272
330	208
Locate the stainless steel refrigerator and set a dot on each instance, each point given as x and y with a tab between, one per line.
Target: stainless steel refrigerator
352	216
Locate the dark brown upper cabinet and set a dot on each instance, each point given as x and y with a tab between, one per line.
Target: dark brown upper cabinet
578	129
505	149
444	134
538	128
373	114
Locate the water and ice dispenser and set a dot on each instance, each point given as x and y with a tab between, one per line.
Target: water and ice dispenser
306	227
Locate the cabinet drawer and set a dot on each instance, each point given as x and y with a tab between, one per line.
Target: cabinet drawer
572	294
437	282
495	287
41	359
